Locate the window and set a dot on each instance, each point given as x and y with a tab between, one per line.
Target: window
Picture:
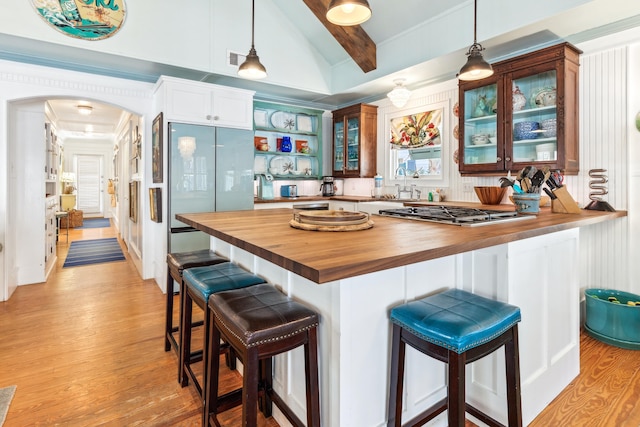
416	146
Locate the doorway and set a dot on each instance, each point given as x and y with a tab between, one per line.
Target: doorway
90	182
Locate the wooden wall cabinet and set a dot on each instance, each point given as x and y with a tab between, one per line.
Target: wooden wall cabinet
355	134
526	113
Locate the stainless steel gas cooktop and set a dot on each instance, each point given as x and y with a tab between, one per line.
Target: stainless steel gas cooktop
455	215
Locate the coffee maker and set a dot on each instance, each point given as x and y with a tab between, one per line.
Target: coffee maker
328	187
265	186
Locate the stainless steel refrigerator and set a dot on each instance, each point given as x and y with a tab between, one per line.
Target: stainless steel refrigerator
210	169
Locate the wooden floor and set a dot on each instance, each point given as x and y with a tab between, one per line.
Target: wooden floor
86	349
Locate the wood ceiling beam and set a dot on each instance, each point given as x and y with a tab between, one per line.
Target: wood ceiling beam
353	39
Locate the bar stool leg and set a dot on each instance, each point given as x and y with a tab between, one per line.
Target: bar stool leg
186	312
212	362
169	328
456	396
249	389
396	376
311	373
512	361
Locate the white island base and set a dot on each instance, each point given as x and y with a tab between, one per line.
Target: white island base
538	274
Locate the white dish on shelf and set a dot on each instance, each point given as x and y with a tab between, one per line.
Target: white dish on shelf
260	164
284	164
260	117
304	123
283	120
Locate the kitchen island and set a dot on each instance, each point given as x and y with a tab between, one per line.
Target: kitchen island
353	278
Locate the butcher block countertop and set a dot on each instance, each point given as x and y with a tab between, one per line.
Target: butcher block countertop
327	256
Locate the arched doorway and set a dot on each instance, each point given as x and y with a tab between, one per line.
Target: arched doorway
23	93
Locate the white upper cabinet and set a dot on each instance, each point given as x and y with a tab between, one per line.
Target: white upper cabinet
188	101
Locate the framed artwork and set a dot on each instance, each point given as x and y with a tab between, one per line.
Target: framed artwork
85	19
133	201
156	149
155	204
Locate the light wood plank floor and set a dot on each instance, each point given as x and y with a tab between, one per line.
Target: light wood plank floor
86	349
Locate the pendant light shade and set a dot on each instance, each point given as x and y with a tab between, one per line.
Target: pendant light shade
251	68
476	67
348	12
400	94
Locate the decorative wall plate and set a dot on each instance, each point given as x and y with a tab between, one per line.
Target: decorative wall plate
86	19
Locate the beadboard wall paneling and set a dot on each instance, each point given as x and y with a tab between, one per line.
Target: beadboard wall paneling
605	255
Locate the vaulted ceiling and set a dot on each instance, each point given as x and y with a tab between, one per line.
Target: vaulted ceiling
423	41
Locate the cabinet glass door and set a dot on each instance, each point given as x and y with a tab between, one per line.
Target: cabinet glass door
338	146
353	151
480	126
534	131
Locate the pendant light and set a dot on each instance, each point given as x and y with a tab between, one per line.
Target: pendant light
476	67
400	94
251	68
348	12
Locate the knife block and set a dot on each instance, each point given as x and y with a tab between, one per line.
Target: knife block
564	203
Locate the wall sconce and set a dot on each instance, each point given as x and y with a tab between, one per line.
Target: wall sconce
400	94
251	68
476	67
85	110
186	146
348	12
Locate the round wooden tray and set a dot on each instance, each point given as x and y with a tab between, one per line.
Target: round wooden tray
330	218
315	227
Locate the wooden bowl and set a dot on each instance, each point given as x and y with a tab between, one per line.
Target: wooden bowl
490	195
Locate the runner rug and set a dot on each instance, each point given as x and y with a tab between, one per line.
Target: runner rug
96	251
6	395
95	223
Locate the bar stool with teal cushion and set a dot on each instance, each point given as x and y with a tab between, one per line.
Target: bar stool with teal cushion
198	284
177	262
455	327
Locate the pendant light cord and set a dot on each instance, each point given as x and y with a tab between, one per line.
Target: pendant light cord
475	20
253	20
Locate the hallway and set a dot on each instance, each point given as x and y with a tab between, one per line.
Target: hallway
86	348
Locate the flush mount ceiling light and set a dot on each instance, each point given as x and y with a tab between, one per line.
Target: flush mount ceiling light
476	67
251	68
348	12
85	110
400	94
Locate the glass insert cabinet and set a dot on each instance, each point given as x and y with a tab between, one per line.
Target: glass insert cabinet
354	141
525	113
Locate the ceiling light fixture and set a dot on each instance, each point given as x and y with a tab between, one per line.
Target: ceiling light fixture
400	94
348	12
251	68
476	67
85	110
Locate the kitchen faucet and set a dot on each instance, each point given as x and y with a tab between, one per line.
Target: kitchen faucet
404	192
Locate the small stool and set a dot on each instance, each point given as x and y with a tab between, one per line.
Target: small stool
59	216
198	284
260	322
177	263
455	327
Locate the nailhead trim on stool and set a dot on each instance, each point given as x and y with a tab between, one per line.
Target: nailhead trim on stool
455	327
260	322
177	262
198	284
